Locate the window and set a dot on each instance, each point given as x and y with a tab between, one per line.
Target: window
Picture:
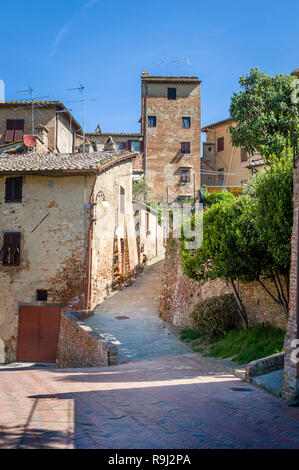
135	145
14	130
244	156
41	295
185	176
10	252
185	147
119	145
221	177
122	204
124	146
171	93
13	189
220	144
152	121
186	122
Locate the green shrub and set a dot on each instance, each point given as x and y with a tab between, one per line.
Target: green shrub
215	198
249	345
215	316
188	334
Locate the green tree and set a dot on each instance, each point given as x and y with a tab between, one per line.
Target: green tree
230	248
265	114
140	189
272	196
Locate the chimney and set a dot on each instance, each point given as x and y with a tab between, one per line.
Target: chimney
109	145
144	73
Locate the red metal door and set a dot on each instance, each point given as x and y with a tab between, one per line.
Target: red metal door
38	333
28	337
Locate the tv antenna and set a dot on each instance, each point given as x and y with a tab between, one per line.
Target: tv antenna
81	89
162	63
188	62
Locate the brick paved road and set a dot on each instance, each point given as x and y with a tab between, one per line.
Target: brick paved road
176	402
142	335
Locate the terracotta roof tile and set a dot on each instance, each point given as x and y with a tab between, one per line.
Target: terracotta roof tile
38	162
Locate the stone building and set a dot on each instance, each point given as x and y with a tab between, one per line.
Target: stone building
149	232
223	165
171	126
124	142
55	128
291	368
66	230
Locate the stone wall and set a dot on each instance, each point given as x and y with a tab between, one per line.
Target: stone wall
109	228
80	346
291	374
53	250
59	135
264	366
180	295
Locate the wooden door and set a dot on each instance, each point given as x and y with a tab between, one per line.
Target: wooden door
38	333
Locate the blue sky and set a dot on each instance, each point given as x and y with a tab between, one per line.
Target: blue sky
54	45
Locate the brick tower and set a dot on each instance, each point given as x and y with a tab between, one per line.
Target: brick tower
171	125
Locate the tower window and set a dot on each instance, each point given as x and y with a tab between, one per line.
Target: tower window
152	121
185	147
171	94
186	122
185	176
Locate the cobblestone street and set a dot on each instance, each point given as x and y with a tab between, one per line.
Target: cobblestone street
176	402
174	399
130	320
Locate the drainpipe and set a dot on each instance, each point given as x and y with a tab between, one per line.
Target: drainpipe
88	248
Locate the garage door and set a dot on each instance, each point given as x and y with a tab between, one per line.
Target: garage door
38	333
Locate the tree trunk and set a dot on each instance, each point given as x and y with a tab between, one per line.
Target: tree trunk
241	308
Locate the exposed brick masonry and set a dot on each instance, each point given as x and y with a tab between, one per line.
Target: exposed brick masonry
80	346
180	295
291	371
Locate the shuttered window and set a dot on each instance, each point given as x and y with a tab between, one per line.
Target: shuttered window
220	144
185	147
14	130
10	251
185	176
244	155
13	189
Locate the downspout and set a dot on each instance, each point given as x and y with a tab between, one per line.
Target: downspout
56	133
144	125
89	246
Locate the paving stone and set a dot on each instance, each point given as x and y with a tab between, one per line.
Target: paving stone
144	335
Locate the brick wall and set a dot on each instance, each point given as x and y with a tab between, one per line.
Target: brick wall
291	373
80	346
163	158
180	295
